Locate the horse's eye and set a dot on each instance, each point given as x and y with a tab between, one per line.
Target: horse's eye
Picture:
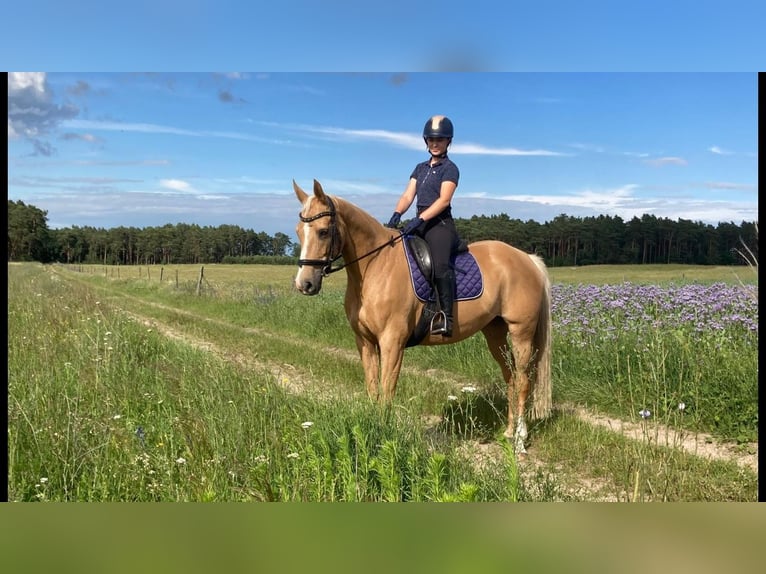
323	233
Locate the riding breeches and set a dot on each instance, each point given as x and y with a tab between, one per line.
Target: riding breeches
442	238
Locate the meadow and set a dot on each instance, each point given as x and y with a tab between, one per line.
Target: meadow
158	384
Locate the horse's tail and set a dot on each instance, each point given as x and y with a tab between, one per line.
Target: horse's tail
542	390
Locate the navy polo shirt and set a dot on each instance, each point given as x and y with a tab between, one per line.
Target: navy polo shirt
430	178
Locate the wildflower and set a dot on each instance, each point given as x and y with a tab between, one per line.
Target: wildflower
181	460
260	459
44	479
681	407
307	424
645	413
116	417
469	389
293	455
451	398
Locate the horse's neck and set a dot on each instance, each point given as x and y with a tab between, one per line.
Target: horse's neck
363	234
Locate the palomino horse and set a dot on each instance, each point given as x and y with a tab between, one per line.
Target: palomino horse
383	309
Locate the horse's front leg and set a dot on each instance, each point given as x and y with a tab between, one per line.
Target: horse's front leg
370	355
391	355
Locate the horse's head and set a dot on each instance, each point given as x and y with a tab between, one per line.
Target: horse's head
320	238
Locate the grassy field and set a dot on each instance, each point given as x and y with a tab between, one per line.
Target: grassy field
155	384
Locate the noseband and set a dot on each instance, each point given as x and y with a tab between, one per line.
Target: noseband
326	263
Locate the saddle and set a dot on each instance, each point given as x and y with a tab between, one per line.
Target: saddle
467	278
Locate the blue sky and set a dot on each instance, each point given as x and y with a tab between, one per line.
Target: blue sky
110	149
595	106
407	35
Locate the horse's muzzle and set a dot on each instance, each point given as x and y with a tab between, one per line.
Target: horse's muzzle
309	285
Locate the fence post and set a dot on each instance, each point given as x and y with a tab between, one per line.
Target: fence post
199	281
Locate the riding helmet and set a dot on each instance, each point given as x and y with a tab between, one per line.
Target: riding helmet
438	127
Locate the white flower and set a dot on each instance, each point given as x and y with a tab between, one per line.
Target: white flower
451	398
43	480
645	413
469	389
116	417
681	406
293	455
307	424
181	460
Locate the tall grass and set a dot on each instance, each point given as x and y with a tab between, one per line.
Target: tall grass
102	407
106	408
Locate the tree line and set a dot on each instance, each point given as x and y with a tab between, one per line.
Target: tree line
565	240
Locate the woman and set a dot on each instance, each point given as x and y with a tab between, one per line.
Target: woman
434	182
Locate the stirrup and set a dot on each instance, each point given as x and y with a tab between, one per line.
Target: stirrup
441	328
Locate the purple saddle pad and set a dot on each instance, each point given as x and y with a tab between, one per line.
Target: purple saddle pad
470	284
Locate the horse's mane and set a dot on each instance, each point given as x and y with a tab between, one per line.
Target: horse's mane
358	215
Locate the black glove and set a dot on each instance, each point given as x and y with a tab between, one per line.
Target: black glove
410	228
394	221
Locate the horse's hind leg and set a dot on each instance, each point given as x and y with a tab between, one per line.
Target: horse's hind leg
496	334
522	348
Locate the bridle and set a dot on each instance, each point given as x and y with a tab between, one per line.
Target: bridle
326	263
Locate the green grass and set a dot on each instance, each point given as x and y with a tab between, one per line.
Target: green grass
651	274
103	407
106	407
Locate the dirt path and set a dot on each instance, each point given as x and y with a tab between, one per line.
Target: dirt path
289	376
698	444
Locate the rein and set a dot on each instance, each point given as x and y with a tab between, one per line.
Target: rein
326	263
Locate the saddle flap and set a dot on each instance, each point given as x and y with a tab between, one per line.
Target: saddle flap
422	255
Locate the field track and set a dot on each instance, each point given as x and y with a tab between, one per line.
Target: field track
297	379
699	444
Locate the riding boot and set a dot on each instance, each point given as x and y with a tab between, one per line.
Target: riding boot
445	288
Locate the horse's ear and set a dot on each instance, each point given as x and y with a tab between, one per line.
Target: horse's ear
318	191
299	193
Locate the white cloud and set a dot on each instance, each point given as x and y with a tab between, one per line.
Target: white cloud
730	185
410	141
669	160
35	81
177	185
719	151
32	115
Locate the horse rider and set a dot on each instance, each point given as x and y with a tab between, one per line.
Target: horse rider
434	182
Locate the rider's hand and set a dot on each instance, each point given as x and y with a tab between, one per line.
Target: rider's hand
410	228
394	221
